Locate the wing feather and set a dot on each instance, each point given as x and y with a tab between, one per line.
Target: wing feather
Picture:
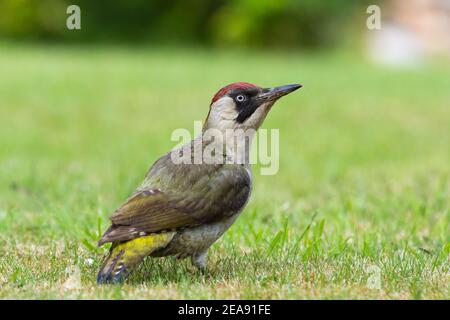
152	210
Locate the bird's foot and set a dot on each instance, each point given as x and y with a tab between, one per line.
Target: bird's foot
199	261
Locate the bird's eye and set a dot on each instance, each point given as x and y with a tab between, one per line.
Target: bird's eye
241	98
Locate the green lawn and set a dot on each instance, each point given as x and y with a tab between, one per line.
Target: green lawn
360	207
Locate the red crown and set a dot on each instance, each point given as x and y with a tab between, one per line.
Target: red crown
228	88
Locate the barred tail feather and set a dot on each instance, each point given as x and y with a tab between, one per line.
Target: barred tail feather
125	256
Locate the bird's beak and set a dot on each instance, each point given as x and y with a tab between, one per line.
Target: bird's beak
272	94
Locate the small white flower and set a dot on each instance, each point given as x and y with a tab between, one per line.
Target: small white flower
89	261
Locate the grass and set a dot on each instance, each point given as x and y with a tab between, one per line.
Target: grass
360	207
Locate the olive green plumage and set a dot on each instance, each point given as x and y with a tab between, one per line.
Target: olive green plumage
182	208
173	198
180	195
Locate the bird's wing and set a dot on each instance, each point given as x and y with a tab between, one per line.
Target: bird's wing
150	210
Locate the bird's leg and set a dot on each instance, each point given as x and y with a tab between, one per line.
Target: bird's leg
199	260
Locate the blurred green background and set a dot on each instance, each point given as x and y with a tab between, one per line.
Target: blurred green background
262	23
364	179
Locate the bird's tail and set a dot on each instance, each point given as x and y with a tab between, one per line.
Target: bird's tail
125	256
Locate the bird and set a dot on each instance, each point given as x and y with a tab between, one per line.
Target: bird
182	207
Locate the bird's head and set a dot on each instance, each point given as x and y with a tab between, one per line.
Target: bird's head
243	105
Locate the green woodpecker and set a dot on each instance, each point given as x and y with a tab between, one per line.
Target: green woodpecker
182	207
